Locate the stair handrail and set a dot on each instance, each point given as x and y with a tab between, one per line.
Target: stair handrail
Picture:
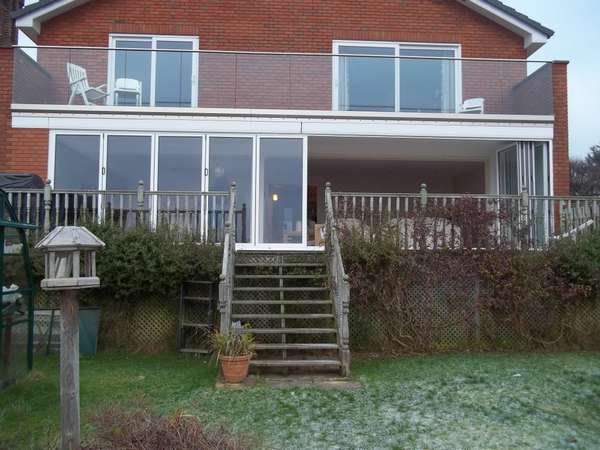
339	283
226	279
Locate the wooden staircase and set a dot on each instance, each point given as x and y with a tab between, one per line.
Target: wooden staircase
285	299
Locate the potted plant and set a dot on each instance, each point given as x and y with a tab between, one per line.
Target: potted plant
234	351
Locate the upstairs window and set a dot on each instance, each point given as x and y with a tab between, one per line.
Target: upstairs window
153	71
391	77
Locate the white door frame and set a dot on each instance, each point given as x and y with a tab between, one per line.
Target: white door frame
272	246
251	219
153	38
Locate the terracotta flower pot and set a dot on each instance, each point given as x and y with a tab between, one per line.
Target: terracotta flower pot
235	368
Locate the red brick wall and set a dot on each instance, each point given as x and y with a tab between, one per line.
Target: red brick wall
5	96
561	129
287	25
21	150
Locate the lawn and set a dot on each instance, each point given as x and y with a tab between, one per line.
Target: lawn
486	401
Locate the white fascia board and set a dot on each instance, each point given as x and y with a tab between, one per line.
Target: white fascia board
241	113
31	24
533	39
501	130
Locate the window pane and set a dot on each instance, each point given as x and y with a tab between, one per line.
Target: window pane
367	83
427	85
508	172
540	174
180	163
135	65
231	160
76	162
281	188
128	162
174	74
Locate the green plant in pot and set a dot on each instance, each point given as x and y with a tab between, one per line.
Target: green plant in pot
234	350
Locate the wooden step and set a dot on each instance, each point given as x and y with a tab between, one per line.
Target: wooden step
195	325
295	362
279	289
197	299
282	316
280	264
285	277
290	330
297	346
281	302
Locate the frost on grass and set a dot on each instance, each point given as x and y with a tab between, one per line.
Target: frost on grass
441	402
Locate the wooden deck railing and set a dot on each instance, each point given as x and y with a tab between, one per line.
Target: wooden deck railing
226	279
338	280
424	220
203	214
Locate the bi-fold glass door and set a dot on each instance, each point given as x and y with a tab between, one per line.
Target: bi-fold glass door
526	165
270	173
281	193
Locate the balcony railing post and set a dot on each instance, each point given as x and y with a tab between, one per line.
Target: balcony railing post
423	195
47	206
140	202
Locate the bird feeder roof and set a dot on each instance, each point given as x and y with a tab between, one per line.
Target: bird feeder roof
70	239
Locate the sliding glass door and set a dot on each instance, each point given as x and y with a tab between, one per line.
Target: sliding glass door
396	77
153	71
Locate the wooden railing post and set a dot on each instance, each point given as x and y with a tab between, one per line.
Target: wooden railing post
226	280
140	202
225	284
423	195
47	206
525	217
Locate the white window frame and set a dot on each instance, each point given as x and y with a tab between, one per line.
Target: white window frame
153	38
398	46
52	151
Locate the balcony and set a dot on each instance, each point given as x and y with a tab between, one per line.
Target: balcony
354	81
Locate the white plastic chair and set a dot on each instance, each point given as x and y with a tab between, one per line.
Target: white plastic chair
128	86
473	106
79	86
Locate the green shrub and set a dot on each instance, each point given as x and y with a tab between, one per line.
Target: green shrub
531	295
137	262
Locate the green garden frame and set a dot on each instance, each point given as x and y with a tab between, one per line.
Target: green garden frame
16	305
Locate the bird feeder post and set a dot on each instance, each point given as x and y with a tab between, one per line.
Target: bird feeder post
70	254
69	370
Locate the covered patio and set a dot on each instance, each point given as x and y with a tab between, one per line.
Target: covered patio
399	165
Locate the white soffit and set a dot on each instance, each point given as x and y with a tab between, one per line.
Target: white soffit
31	24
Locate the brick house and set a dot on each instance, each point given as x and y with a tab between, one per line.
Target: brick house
189	96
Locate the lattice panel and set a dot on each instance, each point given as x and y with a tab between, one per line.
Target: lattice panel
154	324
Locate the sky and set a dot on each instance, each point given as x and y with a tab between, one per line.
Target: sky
577	38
